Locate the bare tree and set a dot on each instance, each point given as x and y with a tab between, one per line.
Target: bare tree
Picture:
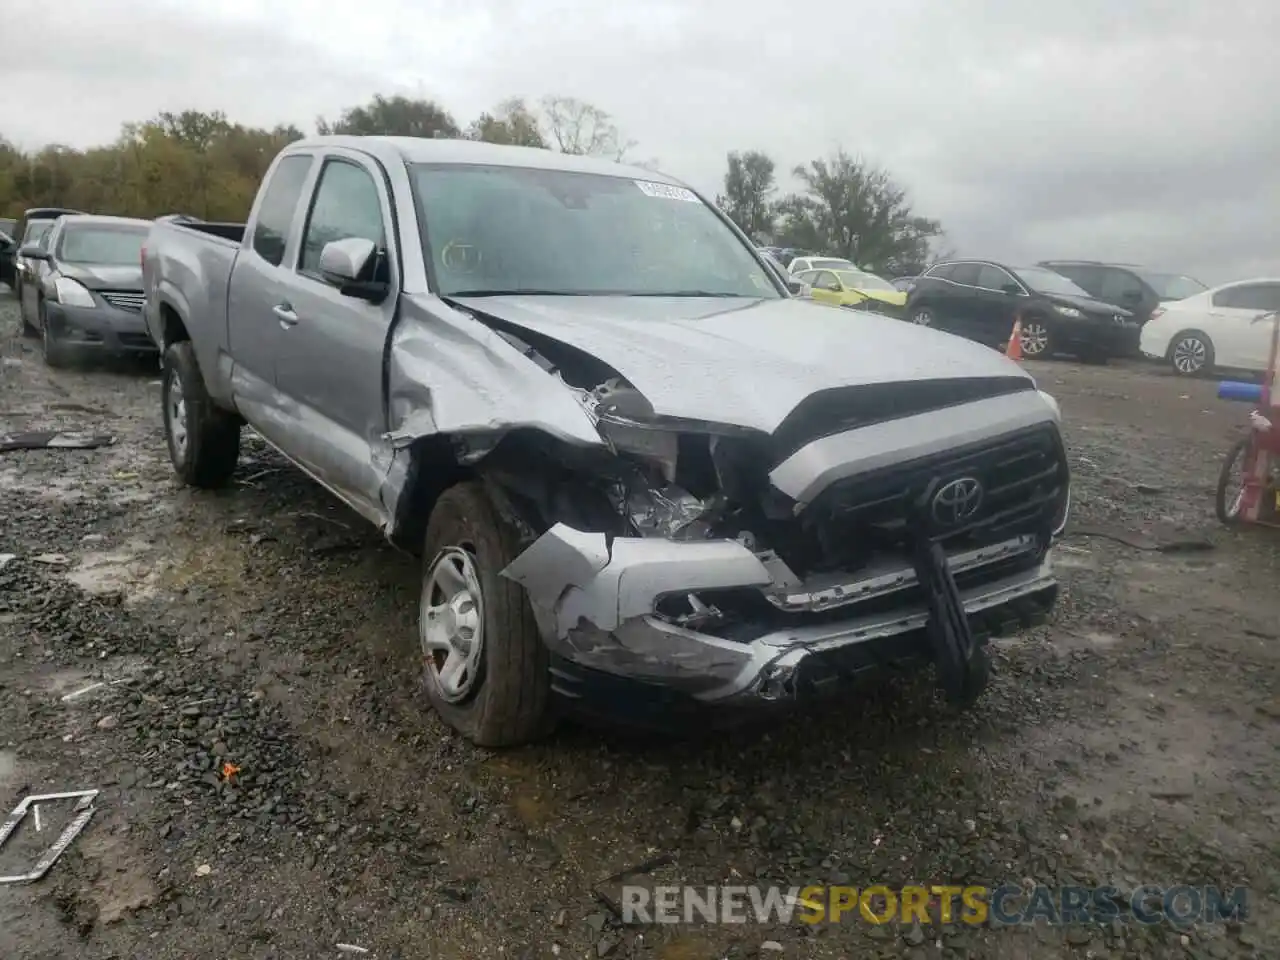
582	128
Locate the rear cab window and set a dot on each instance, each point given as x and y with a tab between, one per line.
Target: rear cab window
279	204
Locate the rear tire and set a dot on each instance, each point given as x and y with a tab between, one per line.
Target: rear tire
56	353
203	440
923	317
500	695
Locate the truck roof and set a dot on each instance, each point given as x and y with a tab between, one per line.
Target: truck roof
426	150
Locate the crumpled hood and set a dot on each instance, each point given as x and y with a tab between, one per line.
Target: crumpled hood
103	277
747	363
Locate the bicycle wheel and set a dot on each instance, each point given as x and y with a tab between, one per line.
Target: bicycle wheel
1228	499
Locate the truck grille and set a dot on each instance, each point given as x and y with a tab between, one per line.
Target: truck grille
125	300
1021	482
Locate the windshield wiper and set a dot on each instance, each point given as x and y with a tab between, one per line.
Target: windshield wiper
518	292
695	293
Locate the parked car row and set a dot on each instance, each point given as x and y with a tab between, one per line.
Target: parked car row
1085	308
78	281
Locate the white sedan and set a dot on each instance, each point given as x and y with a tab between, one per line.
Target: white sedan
1217	328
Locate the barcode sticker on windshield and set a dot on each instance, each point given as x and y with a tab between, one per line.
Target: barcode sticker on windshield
665	191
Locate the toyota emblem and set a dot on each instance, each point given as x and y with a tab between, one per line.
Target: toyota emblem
957	501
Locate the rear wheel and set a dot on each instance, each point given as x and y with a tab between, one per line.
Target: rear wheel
1191	354
1231	483
203	440
485	668
923	317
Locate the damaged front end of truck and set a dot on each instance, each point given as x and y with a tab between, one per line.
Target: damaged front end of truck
708	564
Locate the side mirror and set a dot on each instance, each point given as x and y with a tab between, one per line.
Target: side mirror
795	286
1011	288
32	252
346	263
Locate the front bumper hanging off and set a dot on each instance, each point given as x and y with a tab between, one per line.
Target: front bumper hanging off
595	605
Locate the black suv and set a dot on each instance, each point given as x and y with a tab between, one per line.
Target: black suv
980	299
1135	288
8	245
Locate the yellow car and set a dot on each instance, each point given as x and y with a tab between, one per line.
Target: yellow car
853	288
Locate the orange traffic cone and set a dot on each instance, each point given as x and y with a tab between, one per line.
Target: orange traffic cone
1013	349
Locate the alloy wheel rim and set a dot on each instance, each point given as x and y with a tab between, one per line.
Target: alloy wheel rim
1189	355
1035	339
922	318
451	624
178	431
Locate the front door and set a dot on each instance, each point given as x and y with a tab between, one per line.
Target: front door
329	369
1240	338
996	300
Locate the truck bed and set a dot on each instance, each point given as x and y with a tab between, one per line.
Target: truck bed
233	232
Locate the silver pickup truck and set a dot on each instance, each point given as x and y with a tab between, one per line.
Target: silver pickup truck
645	482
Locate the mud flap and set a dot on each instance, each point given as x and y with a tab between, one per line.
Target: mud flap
963	666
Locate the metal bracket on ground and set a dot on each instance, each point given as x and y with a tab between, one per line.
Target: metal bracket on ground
84	811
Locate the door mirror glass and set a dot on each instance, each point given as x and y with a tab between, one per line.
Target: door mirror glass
346	261
795	286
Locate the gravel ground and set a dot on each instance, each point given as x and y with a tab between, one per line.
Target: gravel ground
1131	741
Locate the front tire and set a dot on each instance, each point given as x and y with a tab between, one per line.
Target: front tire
1191	354
203	440
485	668
1037	339
56	353
25	328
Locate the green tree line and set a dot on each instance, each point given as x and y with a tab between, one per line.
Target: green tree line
846	207
205	165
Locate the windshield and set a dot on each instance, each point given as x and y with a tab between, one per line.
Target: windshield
1172	286
511	230
113	246
1044	280
36	229
829	264
864	281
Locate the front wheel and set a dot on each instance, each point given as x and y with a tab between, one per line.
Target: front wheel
203	440
485	668
56	353
1191	354
1228	500
1037	341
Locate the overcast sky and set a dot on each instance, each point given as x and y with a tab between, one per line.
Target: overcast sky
1135	130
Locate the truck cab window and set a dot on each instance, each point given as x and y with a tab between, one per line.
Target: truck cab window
275	215
346	205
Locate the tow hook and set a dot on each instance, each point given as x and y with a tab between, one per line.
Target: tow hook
963	666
